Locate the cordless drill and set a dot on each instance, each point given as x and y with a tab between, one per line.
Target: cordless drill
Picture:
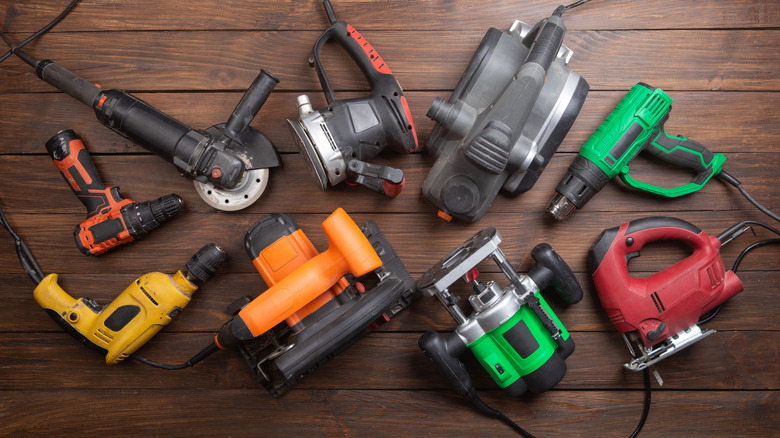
137	314
111	219
635	125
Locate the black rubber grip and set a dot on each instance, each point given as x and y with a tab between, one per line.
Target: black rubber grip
144	124
660	222
250	103
687	153
68	82
339	32
552	270
81	175
435	347
547	43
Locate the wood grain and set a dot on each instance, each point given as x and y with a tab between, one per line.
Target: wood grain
430	15
230	60
193	60
725	122
372	413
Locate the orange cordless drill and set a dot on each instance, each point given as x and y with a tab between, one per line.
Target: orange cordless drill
111	219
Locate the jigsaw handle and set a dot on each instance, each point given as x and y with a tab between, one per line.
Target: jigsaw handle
552	270
628	239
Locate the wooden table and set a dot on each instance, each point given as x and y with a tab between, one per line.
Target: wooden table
719	61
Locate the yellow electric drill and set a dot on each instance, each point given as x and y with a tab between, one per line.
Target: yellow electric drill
137	314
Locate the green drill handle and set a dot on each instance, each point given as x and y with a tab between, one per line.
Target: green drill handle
682	152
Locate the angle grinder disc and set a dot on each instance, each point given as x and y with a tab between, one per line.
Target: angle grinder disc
242	196
309	154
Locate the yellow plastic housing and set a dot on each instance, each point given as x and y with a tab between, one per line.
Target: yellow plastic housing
122	327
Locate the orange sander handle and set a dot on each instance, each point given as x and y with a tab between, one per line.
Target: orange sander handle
349	252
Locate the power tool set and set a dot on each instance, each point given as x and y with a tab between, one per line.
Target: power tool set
511	109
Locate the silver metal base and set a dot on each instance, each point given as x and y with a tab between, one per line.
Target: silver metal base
242	196
674	344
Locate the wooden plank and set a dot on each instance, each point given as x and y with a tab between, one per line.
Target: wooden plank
49	237
754	309
378	413
142	178
743	360
725	122
432	15
230	60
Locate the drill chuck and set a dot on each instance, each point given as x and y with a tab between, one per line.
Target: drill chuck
151	214
205	262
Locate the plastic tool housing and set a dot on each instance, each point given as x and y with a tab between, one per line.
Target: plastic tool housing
508	114
339	141
135	315
671	300
331	321
513	332
112	220
635	125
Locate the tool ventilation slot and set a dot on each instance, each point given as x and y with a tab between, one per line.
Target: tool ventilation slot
657	301
616	316
103	336
332	143
657	106
149	296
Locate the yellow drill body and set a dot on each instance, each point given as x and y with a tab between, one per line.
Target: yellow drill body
123	326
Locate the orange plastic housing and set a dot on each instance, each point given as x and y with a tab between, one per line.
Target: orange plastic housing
301	280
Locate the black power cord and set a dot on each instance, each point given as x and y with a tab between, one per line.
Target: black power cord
725	176
482	406
40	32
646	409
30	265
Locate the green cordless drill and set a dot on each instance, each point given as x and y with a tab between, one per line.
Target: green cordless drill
635	125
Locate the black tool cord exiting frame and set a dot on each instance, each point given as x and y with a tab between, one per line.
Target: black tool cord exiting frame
40	32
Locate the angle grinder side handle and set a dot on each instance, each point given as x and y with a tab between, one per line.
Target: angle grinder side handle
250	103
